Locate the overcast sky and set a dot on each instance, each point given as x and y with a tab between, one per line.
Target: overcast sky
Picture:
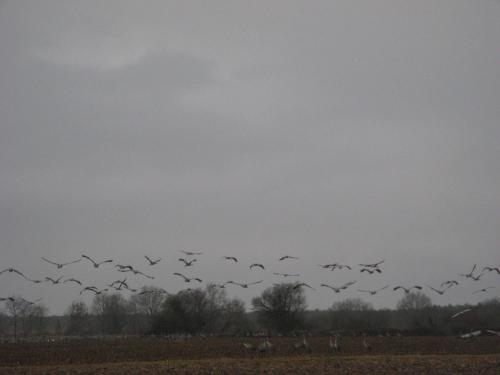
335	131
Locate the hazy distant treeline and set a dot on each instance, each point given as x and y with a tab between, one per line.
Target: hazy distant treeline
279	309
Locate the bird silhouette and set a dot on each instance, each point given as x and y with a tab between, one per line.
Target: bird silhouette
54	281
60	265
187	279
373	291
438	291
96	264
340	288
187	263
371	270
407	290
284	257
449	283
456	315
483	290
300	285
244	285
72	280
371	265
151	261
253	265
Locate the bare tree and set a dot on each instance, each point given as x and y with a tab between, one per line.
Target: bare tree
414	301
111	310
148	301
415	307
352	304
281	307
78	314
352	314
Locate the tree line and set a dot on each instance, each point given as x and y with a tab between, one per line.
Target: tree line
281	309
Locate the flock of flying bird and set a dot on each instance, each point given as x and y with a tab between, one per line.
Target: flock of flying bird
189	259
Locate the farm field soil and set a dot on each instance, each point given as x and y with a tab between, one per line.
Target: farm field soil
377	364
409	355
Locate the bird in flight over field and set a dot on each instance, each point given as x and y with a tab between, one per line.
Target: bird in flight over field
96	264
151	261
60	265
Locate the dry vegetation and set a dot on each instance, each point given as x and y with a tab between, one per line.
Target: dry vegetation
413	355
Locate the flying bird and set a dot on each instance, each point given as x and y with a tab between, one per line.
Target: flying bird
300	285
60	265
151	261
187	279
72	280
456	315
491	269
96	264
407	290
483	290
340	288
371	270
373	291
54	281
470	275
372	265
187	263
121	284
93	289
137	272
13	270
234	259
329	265
287	257
244	285
191	253
11	299
124	268
449	283
438	291
253	265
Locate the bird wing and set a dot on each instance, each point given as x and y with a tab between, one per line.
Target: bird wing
49	261
89	258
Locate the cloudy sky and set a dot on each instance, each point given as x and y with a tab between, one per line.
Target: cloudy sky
335	131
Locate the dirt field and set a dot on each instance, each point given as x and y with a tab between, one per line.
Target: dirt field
409	355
